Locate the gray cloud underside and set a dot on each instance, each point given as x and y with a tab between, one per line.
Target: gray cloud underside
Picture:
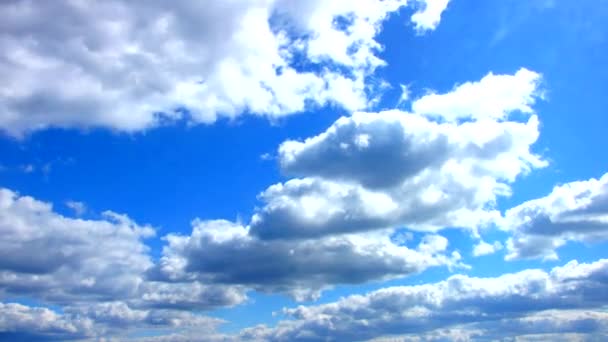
225	252
527	305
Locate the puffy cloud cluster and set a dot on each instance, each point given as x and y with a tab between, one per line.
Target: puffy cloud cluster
576	211
22	323
378	170
365	176
61	259
567	299
362	178
129	66
95	269
225	252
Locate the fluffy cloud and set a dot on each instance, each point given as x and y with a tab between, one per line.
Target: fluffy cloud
23	323
522	303
576	211
112	317
74	258
64	260
393	168
484	248
225	252
494	97
129	66
550	325
429	16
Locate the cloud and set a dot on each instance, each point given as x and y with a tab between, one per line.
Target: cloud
62	260
74	258
550	325
393	168
224	252
93	321
130	66
567	299
493	97
484	248
405	95
576	211
111	317
79	208
428	17
345	208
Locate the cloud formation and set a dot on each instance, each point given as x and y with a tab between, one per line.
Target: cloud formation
77	262
394	168
224	252
130	66
575	211
493	97
22	323
86	322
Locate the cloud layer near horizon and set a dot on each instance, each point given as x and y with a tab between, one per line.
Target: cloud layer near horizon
530	303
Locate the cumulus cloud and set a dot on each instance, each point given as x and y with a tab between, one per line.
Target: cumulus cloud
129	66
576	211
62	260
111	317
225	252
493	97
366	175
429	15
93	321
393	168
22	323
566	299
74	258
484	248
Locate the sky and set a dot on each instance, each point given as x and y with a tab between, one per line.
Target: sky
303	170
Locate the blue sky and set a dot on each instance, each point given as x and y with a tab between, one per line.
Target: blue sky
286	170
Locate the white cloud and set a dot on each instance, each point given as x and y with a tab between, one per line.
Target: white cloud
58	259
550	325
130	66
484	248
224	252
74	258
405	95
567	299
94	322
576	211
409	170
428	17
493	97
22	323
